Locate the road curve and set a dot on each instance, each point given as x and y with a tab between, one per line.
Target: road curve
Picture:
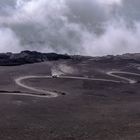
45	93
26	94
113	74
49	94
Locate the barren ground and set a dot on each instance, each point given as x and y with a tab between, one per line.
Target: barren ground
89	110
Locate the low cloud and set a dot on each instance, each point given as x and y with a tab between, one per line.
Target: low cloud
91	27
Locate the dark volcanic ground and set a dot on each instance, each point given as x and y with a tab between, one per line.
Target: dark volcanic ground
90	110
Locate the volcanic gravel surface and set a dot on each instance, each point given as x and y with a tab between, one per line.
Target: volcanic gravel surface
83	110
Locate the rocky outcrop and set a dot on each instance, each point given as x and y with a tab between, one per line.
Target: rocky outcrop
125	58
129	57
26	57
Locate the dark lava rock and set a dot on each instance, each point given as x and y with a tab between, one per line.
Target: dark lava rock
125	58
26	57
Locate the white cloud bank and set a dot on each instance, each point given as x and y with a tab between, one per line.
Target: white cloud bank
110	1
8	41
91	27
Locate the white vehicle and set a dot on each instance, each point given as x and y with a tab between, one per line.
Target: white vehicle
55	76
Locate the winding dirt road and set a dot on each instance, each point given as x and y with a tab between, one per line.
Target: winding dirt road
113	74
45	93
48	94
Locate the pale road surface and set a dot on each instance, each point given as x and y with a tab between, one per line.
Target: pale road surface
112	73
49	94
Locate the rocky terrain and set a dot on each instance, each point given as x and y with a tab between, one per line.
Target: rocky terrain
26	57
91	103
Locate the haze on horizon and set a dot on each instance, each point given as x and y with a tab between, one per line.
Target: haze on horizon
86	27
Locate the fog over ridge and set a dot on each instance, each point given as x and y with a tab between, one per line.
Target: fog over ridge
87	27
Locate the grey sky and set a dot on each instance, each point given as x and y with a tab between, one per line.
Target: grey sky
70	26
